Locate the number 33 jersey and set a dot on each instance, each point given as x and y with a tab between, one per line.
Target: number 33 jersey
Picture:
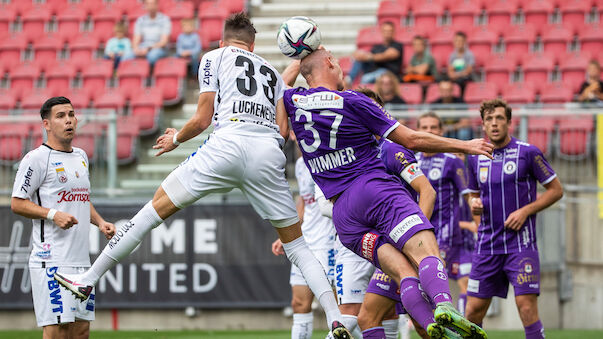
247	89
335	132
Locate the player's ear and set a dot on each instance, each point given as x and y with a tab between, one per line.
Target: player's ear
221	43
252	46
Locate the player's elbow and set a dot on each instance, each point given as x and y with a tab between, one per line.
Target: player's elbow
559	193
16	205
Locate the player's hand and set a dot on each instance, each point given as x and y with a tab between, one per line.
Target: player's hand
479	147
164	142
476	206
516	219
468	225
277	247
64	220
107	228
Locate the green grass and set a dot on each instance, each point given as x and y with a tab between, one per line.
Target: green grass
550	334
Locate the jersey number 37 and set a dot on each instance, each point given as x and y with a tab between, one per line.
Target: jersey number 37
312	147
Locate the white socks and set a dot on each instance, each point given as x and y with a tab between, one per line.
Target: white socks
125	240
351	323
298	253
302	326
391	328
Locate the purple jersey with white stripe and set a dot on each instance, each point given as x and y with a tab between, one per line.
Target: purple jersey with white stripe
335	134
506	184
446	173
397	158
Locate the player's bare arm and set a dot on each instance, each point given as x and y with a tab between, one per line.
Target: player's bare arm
427	142
290	73
107	228
31	210
427	195
554	192
282	120
193	127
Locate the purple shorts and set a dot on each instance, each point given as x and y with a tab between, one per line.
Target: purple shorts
458	261
381	284
491	274
376	210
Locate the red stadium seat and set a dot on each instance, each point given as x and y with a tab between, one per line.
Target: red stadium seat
57	6
540	133
390	11
60	77
8	100
518	39
13	137
412	93
82	50
427	14
499	69
34	21
556	93
104	20
127	139
574	12
433	92
537	69
405	35
46	50
169	76
10	50
19	7
537	12
476	92
7	16
480	43
212	21
70	21
463	15
35	99
519	93
368	37
95	77
591	39
346	64
87	137
23	78
573	68
233	6
79	97
556	39
132	76
176	12
146	107
441	45
575	137
130	6
133	15
111	99
499	12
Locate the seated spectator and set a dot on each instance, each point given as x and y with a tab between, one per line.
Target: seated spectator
152	33
119	47
447	94
461	62
382	58
454	128
591	90
422	65
189	45
388	88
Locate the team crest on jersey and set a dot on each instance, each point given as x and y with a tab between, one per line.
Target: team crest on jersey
483	174
77	175
61	175
435	174
510	167
318	100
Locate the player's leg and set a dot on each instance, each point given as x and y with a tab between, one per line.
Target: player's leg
349	316
462	302
527	305
55	332
301	302
476	309
53	307
80	329
486	280
374	310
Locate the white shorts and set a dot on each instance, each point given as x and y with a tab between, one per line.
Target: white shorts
352	275
326	257
254	164
54	304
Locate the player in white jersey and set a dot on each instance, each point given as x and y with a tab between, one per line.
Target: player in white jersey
242	93
52	187
319	234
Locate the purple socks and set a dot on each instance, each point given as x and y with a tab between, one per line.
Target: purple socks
462	302
413	301
534	331
434	279
374	333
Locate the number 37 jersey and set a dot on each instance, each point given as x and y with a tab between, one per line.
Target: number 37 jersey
247	89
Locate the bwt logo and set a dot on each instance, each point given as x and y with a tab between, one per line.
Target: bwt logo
15	257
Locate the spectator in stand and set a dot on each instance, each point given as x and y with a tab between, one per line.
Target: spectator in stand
454	128
152	33
119	47
422	65
461	62
382	58
388	88
591	90
189	45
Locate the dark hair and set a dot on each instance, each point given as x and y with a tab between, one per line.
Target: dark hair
50	103
371	94
419	37
594	62
429	115
388	23
490	105
461	33
239	27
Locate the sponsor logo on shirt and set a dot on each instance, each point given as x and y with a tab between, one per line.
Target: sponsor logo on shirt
540	163
526	273
61	174
368	245
435	174
402	159
510	167
404	226
27	182
75	194
318	100
206	72
57	164
483	174
45	253
411	172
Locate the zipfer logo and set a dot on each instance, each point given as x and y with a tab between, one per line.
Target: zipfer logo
120	233
27	180
206	72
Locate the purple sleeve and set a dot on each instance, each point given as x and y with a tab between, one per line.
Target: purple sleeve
459	176
472	184
540	167
374	117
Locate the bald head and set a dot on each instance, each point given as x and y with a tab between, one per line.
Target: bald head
314	63
321	69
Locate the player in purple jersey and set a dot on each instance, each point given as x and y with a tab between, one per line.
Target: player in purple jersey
335	132
446	172
503	196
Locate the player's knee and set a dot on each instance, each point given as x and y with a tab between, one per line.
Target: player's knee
528	311
301	305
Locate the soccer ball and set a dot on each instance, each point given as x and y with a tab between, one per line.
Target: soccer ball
298	37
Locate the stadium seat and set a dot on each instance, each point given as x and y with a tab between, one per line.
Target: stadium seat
111	98
127	139
132	76
176	12
573	68
519	93
499	69
390	11
70	21
60	77
405	35
13	137
556	39
346	64
480	43
46	50
56	6
82	50
7	16
104	20
499	12
367	37
130	6
591	39
146	107
573	12
476	92
211	25
518	39
575	135
95	77
433	92
233	6
88	137
169	76
35	99
427	14
79	97
412	93
463	15
34	21
133	15
537	12
537	69
8	100
10	50
23	78
540	133
440	44
556	93
18	7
